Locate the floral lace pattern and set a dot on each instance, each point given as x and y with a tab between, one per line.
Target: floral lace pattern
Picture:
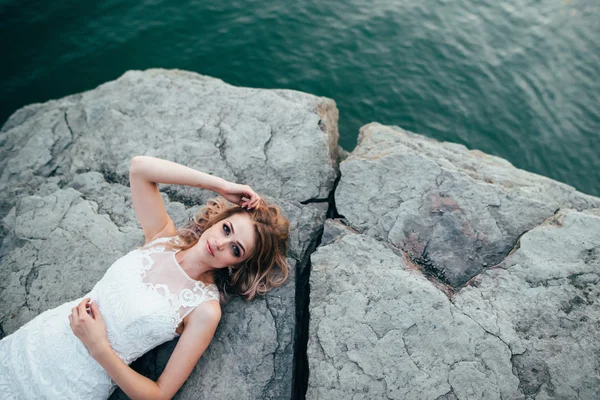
143	298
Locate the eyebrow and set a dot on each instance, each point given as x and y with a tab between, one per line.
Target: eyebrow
238	242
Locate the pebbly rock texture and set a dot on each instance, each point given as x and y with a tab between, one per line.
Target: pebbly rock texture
67	214
525	329
454	211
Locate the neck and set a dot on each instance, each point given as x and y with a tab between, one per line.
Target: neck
189	260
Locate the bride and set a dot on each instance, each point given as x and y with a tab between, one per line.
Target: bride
171	287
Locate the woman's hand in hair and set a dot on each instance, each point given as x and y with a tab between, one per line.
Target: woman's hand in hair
242	195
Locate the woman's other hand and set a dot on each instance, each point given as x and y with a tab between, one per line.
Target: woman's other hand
89	326
242	195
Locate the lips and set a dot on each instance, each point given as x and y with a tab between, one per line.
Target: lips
209	249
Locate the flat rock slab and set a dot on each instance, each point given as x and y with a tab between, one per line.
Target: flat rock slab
67	213
526	329
454	211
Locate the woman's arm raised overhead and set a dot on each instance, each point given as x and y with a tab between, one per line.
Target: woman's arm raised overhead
146	172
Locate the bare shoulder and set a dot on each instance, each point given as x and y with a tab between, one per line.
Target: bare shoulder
207	313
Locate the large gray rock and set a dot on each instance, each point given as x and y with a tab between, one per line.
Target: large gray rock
281	142
67	211
454	211
453	275
526	329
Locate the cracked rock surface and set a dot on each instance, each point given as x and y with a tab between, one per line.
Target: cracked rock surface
454	211
453	275
543	301
525	329
67	214
380	330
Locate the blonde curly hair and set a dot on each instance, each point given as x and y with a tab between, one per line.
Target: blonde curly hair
266	268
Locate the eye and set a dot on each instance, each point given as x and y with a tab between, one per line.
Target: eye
226	229
236	251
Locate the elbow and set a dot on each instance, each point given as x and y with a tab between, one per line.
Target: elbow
151	392
135	164
161	396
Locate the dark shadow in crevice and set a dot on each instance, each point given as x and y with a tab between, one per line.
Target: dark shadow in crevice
303	269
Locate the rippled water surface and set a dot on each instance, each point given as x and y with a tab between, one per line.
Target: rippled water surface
518	79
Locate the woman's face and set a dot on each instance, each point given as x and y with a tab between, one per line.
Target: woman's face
228	242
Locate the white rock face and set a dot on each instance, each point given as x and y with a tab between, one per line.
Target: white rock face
67	212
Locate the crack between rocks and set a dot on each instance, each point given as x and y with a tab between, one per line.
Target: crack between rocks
267	144
69	127
375	378
481	326
300	373
274	322
300	370
221	145
409	353
31	276
267	385
314	200
450	392
512	354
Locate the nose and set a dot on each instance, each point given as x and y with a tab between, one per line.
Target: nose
219	243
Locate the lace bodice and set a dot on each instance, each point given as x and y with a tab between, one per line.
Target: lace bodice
148	294
143	298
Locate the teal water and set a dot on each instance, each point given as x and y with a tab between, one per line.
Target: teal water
518	79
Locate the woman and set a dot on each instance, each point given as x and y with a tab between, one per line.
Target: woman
170	287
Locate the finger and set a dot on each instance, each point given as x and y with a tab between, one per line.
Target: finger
95	310
82	306
72	322
255	200
75	312
250	197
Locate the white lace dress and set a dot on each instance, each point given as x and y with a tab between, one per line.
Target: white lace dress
143	297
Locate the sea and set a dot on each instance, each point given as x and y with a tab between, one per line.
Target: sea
519	79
